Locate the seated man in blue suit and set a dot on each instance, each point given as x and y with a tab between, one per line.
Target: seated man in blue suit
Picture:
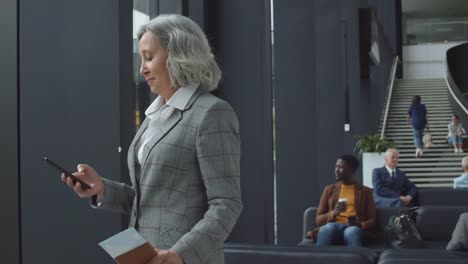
391	186
462	181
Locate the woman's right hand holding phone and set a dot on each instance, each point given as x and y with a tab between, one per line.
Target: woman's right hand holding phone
87	174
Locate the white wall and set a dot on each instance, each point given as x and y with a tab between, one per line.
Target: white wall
425	61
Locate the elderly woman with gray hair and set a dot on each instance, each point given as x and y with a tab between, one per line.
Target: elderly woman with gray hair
184	161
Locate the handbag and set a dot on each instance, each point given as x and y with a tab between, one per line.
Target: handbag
401	231
427	140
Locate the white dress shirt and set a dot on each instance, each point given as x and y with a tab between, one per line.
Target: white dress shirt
390	171
158	113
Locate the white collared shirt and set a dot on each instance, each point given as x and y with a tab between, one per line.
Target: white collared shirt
158	113
390	171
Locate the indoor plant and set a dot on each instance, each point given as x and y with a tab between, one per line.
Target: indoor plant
371	148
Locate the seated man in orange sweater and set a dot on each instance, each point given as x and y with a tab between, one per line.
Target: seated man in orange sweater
346	208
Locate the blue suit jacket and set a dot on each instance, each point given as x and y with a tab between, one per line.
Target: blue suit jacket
386	188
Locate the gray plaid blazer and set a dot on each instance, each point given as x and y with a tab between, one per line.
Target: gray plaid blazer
188	195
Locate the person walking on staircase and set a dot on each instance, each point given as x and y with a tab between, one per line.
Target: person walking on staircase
417	117
456	130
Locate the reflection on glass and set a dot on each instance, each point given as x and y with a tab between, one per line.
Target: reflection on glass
433	30
143	11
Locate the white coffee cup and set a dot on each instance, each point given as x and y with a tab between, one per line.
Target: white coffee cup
343	200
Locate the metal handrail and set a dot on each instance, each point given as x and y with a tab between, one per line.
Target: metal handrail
451	89
396	59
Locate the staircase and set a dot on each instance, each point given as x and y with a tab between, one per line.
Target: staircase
439	165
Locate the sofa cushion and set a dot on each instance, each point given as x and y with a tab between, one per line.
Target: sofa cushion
382	217
441	196
258	254
438	222
309	220
421	261
371	255
422	253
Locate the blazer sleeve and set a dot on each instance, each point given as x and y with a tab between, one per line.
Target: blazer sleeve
409	186
323	211
370	212
118	197
379	188
218	154
459	240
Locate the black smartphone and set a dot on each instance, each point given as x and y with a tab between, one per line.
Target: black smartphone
84	185
352	220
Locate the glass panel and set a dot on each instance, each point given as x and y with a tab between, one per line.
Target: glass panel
433	30
143	11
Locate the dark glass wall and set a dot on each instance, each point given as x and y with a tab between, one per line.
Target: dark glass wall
71	77
9	196
317	91
457	60
457	66
240	35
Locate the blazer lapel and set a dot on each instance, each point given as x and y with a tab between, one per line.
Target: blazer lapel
336	194
387	177
397	174
131	155
357	198
160	133
165	128
194	97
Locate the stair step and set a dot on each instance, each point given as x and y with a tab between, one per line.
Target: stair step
434	185
403	123
428	174
445	111
410	142
403	111
419	90
403	115
431	155
434	179
430	108
455	163
428	159
409	137
407	96
433	169
431	126
409	128
435	148
432	105
409	133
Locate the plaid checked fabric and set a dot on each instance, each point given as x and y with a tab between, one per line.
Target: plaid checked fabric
187	197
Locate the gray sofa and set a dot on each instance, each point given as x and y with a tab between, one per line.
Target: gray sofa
436	224
414	256
269	254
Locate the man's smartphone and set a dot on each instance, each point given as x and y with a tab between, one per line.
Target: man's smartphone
84	185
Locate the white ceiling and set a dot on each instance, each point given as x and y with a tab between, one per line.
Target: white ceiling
435	8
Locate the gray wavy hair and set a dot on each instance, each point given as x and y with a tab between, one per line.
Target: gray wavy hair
190	59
